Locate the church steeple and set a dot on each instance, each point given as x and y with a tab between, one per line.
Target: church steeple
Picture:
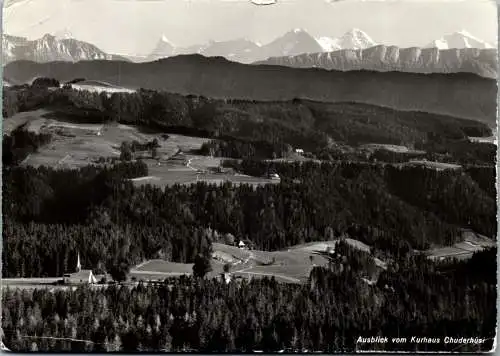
78	264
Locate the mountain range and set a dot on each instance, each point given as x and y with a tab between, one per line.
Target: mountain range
298	42
354	50
473	97
242	50
390	58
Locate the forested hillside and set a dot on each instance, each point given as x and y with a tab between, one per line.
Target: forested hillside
97	210
263	129
50	216
473	97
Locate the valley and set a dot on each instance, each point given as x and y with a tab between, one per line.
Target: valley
249	176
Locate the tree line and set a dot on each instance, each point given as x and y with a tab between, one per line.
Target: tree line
63	212
20	143
313	202
312	126
413	297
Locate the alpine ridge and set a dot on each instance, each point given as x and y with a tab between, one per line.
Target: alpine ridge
460	39
482	62
297	42
243	50
50	48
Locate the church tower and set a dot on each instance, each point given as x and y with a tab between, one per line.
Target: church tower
78	264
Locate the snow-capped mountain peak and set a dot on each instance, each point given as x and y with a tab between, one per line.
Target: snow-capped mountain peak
464	33
328	44
353	39
163	48
63	35
356	39
165	39
291	43
439	44
459	39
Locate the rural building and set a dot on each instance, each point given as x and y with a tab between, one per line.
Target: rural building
226	277
249	245
241	244
299	151
274	176
80	276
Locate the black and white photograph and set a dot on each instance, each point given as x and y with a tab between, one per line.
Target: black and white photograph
249	176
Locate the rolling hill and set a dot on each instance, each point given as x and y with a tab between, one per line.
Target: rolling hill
462	95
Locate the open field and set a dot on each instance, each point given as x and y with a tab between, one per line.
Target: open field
293	273
392	148
434	165
472	243
100	87
19	119
323	245
164	266
75	145
491	139
173	171
291	266
295	264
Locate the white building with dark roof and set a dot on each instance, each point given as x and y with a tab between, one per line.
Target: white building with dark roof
80	276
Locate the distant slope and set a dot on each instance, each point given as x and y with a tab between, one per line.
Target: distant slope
482	62
461	95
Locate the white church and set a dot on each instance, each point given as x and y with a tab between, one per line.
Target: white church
80	276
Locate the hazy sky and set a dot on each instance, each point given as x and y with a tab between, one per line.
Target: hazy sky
134	26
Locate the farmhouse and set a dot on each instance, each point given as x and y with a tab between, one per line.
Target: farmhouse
299	151
226	277
242	245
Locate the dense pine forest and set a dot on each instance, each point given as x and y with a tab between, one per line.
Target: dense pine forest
50	215
96	209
